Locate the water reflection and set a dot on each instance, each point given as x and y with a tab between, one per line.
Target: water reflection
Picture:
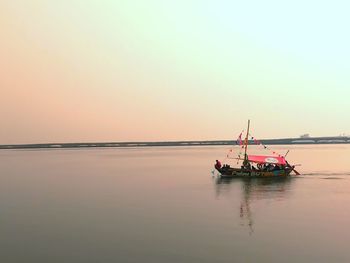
252	190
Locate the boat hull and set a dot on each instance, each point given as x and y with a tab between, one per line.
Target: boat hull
236	172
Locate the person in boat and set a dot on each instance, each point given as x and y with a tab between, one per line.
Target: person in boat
246	165
280	167
264	167
217	165
271	167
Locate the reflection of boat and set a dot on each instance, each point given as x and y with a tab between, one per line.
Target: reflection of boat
252	190
258	188
267	166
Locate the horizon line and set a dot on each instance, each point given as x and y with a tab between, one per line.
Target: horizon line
276	141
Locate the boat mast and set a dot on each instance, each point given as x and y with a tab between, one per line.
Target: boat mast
246	144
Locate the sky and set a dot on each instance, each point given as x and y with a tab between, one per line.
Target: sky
155	70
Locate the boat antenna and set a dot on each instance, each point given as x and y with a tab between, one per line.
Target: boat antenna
246	143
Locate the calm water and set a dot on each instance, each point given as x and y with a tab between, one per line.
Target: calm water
163	205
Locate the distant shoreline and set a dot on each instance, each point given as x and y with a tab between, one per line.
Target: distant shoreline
285	141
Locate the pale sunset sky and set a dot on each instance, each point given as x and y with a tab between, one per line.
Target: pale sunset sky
86	71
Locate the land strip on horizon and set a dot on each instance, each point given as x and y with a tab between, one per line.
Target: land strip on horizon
285	141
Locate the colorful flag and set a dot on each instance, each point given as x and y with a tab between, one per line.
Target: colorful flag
239	140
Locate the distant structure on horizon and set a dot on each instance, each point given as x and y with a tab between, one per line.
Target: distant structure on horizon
303	139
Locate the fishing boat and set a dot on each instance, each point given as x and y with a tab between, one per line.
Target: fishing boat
266	166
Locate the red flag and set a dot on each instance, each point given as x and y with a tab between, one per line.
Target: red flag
239	140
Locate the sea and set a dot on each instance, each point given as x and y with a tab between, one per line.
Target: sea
166	204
